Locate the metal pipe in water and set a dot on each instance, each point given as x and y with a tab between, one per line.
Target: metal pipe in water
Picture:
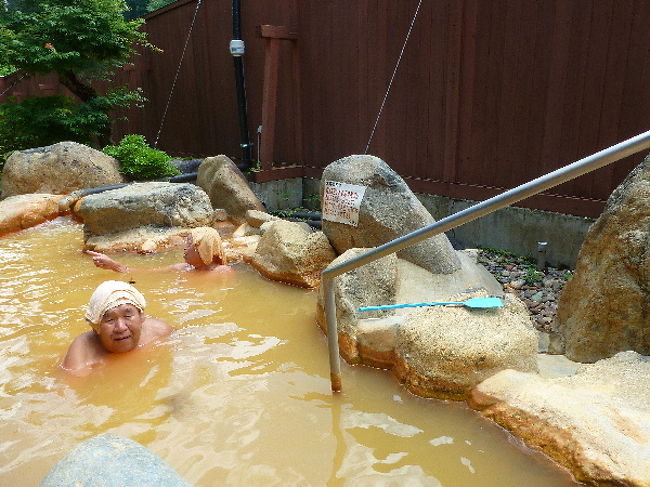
332	334
591	163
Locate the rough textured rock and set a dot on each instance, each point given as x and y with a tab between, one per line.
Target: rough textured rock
256	218
240	248
370	337
389	209
58	169
418	285
160	205
24	211
444	351
143	240
108	460
371	284
227	187
287	252
245	229
605	307
596	422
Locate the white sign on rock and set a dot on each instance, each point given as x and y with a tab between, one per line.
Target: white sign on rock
341	202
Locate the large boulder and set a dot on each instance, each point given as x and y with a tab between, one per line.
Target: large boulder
444	351
371	337
288	252
109	460
596	423
374	283
24	211
58	169
164	209
227	187
605	308
389	209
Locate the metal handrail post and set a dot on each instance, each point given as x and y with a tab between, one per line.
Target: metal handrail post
591	163
332	334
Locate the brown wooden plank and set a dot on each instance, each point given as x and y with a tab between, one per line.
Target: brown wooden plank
277	32
269	101
297	102
465	149
277	173
452	91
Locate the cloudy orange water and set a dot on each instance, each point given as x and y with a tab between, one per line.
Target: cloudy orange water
239	395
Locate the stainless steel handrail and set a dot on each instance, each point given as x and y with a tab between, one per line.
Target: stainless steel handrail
559	176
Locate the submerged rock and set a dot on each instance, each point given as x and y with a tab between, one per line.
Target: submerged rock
58	169
596	423
109	460
24	211
143	240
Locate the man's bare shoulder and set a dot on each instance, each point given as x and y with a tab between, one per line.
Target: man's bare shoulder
157	328
84	352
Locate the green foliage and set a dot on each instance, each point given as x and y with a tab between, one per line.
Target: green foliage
80	41
139	161
156	4
312	201
533	275
41	121
89	37
137	8
6	69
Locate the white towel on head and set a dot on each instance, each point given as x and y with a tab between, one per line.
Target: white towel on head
207	242
110	294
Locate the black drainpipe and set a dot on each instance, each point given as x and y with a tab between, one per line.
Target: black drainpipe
237	51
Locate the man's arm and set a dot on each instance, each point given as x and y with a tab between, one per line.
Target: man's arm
103	261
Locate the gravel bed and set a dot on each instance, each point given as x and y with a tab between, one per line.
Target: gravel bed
539	290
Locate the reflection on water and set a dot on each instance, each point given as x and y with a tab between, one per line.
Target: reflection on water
239	395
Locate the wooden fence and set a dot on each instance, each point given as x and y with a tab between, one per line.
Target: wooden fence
489	93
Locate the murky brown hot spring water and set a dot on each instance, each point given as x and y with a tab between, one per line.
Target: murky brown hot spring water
240	394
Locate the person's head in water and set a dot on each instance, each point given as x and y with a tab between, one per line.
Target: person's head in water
204	249
116	314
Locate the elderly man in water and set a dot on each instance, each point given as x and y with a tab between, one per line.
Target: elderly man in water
116	315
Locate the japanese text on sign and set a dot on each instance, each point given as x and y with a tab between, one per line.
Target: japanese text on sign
341	202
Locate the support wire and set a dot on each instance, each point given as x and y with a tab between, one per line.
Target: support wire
390	84
178	70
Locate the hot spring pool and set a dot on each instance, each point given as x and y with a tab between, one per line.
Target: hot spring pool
239	395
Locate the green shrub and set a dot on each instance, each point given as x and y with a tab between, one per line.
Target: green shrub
138	161
45	120
40	121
